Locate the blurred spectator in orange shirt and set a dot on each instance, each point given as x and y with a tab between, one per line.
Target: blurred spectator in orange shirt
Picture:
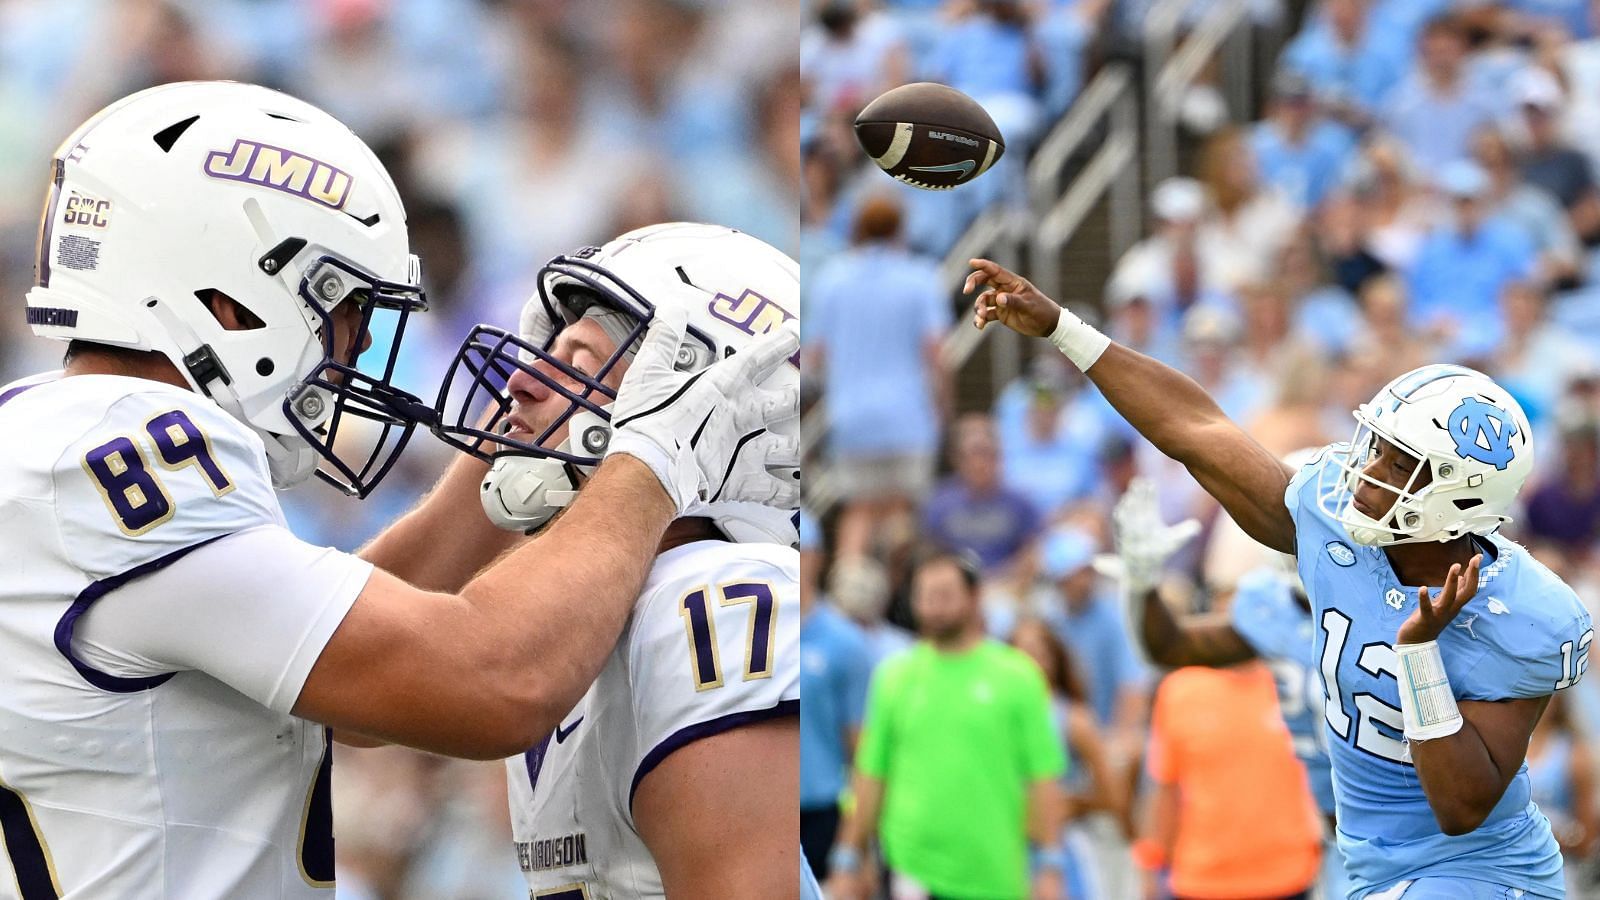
1232	816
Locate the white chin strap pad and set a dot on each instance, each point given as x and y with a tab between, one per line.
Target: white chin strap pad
290	460
522	493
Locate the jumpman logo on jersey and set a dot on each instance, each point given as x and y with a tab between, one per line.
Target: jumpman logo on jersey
1483	432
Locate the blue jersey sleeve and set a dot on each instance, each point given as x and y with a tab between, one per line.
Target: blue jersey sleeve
1533	631
1265	614
1300	496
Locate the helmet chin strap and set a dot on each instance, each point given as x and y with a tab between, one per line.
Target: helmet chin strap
289	460
522	492
1365	530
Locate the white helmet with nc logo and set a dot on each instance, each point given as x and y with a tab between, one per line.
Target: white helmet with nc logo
1474	450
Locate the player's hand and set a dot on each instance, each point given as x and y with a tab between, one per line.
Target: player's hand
708	435
1009	299
1431	616
1048	885
1144	542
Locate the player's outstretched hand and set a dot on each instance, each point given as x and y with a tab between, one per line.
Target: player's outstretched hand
1009	299
1144	542
708	436
1431	616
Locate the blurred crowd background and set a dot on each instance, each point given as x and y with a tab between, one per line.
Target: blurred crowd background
516	130
1293	202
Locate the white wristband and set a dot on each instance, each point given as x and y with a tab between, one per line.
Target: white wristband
1081	342
1427	704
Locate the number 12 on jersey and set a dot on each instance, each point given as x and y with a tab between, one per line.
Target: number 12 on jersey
700	624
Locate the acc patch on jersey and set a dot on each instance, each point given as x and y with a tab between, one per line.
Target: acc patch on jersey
1341	553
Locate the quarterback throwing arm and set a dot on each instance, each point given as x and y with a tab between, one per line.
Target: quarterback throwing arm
1165	405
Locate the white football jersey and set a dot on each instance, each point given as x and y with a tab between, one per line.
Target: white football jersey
713	644
170	783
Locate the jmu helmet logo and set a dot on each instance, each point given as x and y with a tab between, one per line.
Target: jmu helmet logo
1483	432
281	170
751	313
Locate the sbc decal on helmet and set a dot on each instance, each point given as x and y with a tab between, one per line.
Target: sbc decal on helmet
1469	440
736	289
156	212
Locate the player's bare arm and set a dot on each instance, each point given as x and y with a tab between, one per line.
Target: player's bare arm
1166	406
1144	544
490	671
1194	641
684	808
445	540
1465	774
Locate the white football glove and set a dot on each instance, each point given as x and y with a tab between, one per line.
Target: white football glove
1144	542
705	434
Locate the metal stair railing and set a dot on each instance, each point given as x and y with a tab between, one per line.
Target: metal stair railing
1169	74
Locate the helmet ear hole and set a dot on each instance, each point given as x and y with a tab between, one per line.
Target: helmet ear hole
229	313
264	367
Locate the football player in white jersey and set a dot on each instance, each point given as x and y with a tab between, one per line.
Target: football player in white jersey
677	774
174	658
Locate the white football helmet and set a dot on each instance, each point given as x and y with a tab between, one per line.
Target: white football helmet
1472	442
186	189
736	288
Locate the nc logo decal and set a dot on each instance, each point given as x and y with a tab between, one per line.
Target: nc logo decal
1483	432
1341	553
281	170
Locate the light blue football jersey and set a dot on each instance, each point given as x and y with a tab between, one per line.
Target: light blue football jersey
1525	634
1269	618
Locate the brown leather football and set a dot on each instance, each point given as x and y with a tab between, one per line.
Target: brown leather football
929	136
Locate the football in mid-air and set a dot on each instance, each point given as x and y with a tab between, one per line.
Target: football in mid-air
929	136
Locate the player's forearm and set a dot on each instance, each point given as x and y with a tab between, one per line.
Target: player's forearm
550	612
1169	408
1459	777
1159	630
446	539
